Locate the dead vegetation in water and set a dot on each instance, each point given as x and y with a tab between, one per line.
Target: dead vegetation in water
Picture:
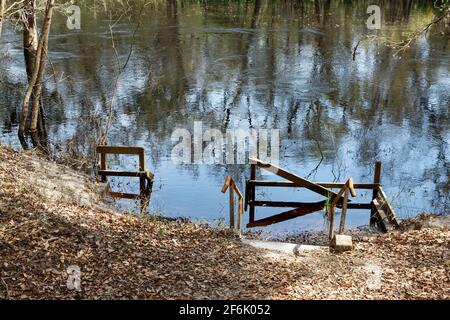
129	257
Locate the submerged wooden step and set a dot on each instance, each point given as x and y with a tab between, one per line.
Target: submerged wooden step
288	215
289	248
390	210
384	221
381	202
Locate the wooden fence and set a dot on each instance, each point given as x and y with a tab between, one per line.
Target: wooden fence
382	213
233	188
145	176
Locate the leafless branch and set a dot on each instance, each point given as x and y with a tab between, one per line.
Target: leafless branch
121	69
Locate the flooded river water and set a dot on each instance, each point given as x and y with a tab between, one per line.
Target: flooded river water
240	65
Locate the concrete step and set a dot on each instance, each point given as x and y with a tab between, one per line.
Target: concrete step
289	248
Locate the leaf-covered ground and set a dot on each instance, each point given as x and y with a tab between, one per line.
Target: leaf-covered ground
131	257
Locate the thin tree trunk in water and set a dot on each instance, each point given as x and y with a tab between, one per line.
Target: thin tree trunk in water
256	14
30	45
2	13
317	9
42	126
37	109
30	37
34	89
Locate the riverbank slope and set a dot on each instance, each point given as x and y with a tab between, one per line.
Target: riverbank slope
52	218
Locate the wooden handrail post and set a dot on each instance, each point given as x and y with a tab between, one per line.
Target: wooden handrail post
376	180
240	213
103	166
232	206
344	212
347	190
331	211
142	161
143	194
252	192
233	189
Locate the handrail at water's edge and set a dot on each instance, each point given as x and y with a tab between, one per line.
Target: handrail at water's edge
146	177
120	150
232	187
347	190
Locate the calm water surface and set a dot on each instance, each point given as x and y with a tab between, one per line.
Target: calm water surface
278	65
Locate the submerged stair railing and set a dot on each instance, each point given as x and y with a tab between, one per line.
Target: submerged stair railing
347	190
301	208
145	176
382	212
233	188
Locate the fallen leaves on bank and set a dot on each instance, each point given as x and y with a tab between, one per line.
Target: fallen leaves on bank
131	257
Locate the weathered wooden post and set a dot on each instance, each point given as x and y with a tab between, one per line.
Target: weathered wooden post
142	186
377	182
331	211
231	185
350	190
344	212
103	166
240	213
252	192
231	205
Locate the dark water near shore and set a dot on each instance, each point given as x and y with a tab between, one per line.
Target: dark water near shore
280	66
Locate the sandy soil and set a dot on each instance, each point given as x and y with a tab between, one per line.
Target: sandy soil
128	257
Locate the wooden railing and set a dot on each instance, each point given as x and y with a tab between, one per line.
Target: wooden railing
145	176
233	188
293	180
346	190
382	213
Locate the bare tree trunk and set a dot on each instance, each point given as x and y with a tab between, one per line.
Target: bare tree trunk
30	45
30	36
256	12
2	13
37	109
34	89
